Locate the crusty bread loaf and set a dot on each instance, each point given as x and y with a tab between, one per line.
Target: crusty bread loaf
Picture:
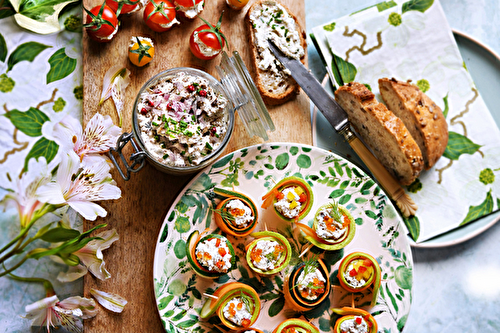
382	131
275	88
423	118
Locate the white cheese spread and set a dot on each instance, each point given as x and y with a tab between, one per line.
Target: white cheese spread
241	213
182	120
110	37
284	205
205	49
328	228
352	326
214	255
311	284
170	23
192	11
272	21
237	312
133	40
264	257
352	280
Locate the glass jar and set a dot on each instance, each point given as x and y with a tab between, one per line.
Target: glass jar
235	86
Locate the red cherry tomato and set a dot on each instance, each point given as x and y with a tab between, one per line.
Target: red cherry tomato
158	14
187	3
208	39
127	6
191	14
101	23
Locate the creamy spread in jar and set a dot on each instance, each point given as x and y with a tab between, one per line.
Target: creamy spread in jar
237	311
181	119
272	21
354	325
214	255
311	285
192	11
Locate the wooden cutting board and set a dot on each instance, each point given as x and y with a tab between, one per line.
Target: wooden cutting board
146	198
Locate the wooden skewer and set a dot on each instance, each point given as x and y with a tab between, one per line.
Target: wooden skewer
220	328
305	251
352	301
265	226
211	296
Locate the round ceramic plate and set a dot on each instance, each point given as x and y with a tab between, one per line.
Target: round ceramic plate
252	171
484	67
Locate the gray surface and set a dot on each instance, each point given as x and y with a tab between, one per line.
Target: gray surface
456	289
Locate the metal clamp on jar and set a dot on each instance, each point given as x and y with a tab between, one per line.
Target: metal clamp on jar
183	118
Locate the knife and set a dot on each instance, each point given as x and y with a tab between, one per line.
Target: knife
337	117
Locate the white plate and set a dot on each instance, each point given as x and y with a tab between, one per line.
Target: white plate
251	171
484	67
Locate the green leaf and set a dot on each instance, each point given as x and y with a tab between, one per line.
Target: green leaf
167	314
332	172
269	166
420	5
187	323
344	184
44	12
164	233
6	9
162	304
393	301
279	282
360	200
57	235
359	221
336	193
413	226
29	122
446	106
25	52
180	315
402	322
303	161
269	296
223	161
3	49
371	214
281	161
294	150
346	70
180	249
458	145
60	66
345	199
69	259
276	306
222	279
182	224
385	5
324	324
366	186
338	168
404	278
482	209
42	147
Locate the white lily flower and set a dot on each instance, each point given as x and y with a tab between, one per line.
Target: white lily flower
78	185
73	273
99	135
91	254
112	302
22	192
50	312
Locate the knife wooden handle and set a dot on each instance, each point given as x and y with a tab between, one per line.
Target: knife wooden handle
385	179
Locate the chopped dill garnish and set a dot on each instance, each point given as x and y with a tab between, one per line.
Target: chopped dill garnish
247	300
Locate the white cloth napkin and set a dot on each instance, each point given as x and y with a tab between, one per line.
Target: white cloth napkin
411	40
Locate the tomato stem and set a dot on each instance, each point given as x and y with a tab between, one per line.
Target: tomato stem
216	30
97	20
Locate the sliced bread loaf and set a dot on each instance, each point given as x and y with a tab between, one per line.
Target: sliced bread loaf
423	118
270	19
382	131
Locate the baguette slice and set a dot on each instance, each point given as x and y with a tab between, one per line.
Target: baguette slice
382	131
275	88
423	118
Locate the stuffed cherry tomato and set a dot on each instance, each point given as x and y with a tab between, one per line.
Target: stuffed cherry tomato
207	41
141	51
189	8
159	15
123	6
101	23
236	4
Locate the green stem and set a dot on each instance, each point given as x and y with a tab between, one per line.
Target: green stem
8	271
49	289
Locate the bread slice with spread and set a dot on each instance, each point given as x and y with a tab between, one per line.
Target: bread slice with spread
423	118
270	19
382	131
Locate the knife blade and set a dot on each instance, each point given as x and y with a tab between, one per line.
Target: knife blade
337	117
332	111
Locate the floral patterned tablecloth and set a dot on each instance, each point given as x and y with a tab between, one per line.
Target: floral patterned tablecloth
40	81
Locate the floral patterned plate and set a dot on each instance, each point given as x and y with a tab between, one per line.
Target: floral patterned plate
253	170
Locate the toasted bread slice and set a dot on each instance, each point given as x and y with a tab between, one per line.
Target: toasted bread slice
423	118
273	81
382	131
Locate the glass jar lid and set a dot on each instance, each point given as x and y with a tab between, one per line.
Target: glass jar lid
245	97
